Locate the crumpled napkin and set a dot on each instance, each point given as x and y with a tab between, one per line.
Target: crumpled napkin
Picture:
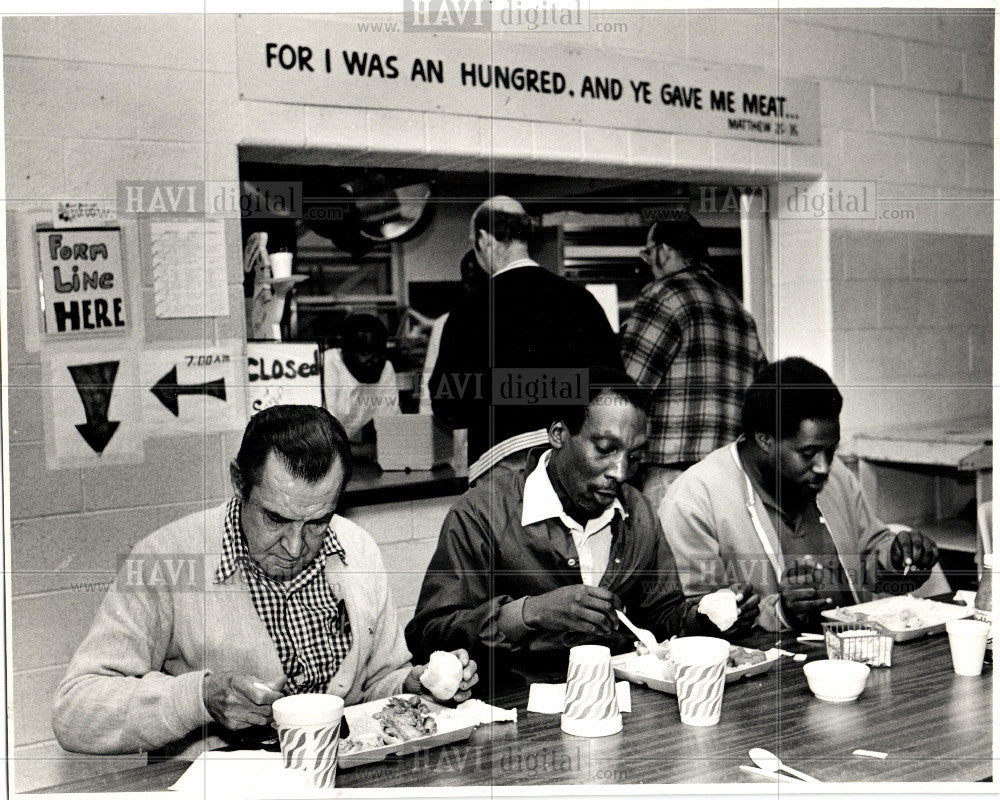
720	607
550	698
484	713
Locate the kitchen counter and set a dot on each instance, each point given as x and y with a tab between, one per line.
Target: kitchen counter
943	444
370	485
920	475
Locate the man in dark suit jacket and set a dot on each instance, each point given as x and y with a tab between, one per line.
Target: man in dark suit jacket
514	347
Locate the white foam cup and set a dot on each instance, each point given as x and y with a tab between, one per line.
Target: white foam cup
967	640
281	265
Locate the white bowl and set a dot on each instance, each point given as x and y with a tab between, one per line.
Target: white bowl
835	680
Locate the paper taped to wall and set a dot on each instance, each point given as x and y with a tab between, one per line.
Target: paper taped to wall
189	269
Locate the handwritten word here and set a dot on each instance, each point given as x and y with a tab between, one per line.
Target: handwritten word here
83	280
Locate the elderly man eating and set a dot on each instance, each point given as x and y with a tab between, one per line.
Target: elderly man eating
287	598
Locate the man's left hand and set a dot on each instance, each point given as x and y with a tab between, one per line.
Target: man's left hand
470	677
747	601
914	549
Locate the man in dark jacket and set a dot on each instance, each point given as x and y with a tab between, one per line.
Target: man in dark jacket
532	563
509	341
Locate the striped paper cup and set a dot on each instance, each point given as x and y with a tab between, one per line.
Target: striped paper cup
701	677
591	707
309	735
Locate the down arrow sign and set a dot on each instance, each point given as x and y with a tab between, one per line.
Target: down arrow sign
95	383
167	390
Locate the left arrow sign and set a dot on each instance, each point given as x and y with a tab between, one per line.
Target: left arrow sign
167	390
95	382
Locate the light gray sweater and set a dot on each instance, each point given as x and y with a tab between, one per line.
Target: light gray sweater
705	519
135	683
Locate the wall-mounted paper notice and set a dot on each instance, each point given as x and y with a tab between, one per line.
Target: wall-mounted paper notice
189	269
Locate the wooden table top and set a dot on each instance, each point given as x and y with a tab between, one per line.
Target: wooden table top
935	726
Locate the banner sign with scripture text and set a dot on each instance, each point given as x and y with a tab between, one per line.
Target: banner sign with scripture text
339	61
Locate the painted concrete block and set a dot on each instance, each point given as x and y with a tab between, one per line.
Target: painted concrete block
903	111
977	75
25	422
34	169
931	68
387	523
965	119
35	491
48	628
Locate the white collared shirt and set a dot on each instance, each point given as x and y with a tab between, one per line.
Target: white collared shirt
593	540
521	262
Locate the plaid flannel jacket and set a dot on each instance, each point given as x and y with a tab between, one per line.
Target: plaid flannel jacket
691	342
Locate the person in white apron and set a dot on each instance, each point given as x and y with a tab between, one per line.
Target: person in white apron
359	382
778	510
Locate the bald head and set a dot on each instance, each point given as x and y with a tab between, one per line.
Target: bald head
501	202
500	232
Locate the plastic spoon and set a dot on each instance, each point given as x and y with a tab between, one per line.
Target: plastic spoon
774	776
768	761
644	636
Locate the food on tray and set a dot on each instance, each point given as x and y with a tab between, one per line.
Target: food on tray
902	620
357	743
662	651
402	724
903	616
738	657
744	656
405	718
443	675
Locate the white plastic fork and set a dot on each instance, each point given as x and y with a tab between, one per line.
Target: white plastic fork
644	636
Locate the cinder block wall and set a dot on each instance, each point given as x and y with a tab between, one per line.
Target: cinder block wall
89	101
909	105
904	304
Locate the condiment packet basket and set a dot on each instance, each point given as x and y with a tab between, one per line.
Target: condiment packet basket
986	616
857	641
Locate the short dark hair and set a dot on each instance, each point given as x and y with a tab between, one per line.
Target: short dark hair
308	440
786	392
602	380
503	225
684	234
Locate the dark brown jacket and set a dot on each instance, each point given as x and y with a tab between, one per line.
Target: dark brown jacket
486	558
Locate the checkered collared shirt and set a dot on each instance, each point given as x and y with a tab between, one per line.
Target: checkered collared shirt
303	616
695	346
